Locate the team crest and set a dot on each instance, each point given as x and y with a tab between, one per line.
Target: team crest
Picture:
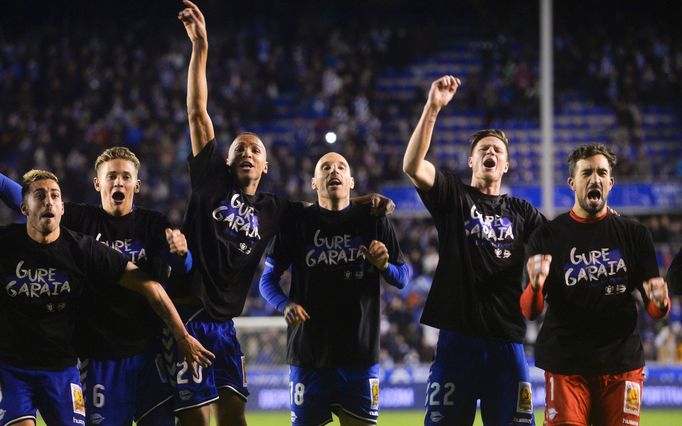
632	398
77	399
374	390
524	400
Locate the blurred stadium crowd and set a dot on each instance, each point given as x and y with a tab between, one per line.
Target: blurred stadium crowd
70	90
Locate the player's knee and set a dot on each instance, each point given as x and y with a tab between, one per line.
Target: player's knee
200	416
230	409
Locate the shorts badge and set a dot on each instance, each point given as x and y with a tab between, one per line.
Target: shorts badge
374	390
77	399
524	400
632	398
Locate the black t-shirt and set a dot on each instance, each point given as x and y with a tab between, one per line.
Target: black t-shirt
116	322
335	284
590	326
227	232
42	285
478	280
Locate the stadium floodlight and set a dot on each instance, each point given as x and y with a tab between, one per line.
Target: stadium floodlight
330	137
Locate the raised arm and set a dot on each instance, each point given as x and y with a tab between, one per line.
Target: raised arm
421	172
136	280
200	125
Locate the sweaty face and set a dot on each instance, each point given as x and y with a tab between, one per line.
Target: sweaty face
332	178
489	159
43	207
247	159
592	183
117	184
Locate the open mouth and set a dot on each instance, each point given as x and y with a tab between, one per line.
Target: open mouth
118	196
334	183
47	215
489	163
246	165
593	195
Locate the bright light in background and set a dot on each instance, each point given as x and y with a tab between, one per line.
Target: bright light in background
330	137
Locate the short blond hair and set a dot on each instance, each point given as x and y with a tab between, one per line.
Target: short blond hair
34	176
117	153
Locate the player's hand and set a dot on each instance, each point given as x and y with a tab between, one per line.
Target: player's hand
376	254
538	269
442	91
656	290
177	243
194	353
194	22
294	314
381	205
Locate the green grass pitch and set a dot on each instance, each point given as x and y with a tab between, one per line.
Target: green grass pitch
650	417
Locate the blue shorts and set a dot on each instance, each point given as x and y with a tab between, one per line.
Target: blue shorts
316	392
469	368
228	370
120	390
57	394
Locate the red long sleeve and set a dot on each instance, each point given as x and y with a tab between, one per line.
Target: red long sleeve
532	302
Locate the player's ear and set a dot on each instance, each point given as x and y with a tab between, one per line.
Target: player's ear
96	184
265	168
138	185
312	184
506	167
470	162
571	183
352	183
23	208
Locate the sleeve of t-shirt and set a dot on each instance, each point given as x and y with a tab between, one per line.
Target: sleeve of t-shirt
645	253
534	219
441	197
390	239
207	164
103	261
674	276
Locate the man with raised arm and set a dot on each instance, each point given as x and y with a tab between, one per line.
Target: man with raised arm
228	224
478	281
45	270
118	336
585	265
337	252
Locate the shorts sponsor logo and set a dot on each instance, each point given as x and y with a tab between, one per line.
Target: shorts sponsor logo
185	394
552	413
631	422
632	398
244	371
524	400
436	416
77	399
293	417
522	420
374	392
77	421
96	418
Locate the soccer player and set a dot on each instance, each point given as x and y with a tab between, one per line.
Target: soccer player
474	296
44	270
118	334
337	252
228	224
674	276
585	265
